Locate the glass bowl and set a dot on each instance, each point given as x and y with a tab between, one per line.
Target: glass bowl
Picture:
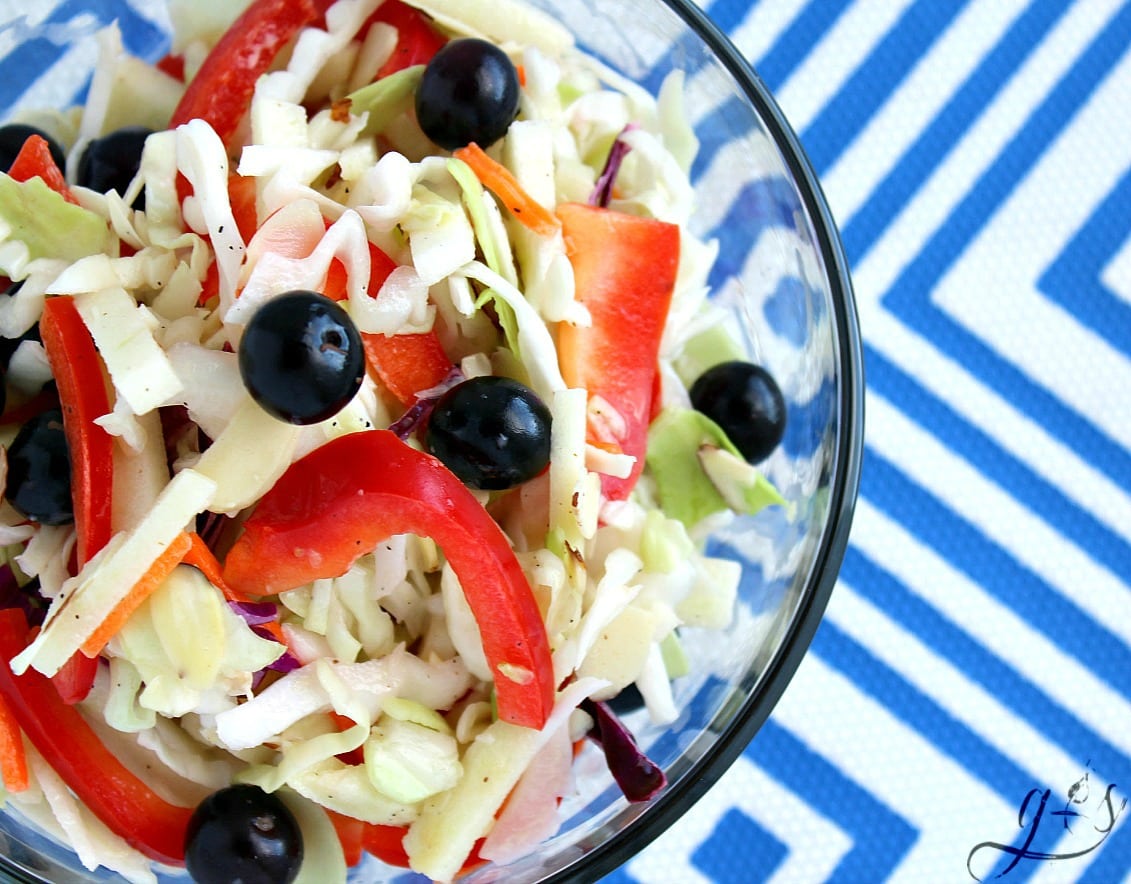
782	276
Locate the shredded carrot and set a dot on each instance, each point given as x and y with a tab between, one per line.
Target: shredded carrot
13	760
202	558
161	568
275	629
521	71
501	181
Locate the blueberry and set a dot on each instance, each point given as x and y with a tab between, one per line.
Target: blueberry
746	402
469	92
242	833
301	357
492	432
39	471
112	161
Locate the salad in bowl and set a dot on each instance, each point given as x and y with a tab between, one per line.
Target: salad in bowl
367	414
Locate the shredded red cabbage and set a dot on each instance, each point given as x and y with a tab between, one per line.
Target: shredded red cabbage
288	662
256	613
418	413
603	190
210	526
25	598
639	778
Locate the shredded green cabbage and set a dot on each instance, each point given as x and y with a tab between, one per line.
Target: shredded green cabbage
383	664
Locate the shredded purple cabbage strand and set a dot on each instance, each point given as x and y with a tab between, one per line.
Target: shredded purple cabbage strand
603	190
418	413
210	526
25	598
639	778
288	662
256	615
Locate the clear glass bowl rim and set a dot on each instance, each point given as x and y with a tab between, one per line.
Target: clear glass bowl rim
678	798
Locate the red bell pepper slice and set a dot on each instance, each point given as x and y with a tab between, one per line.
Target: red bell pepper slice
242	194
173	65
75	678
79	377
407	364
62	736
35	161
417	40
624	269
336	285
350	833
338	502
221	91
387	844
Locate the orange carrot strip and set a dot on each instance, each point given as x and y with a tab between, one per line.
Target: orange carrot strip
161	568
13	761
203	559
501	181
275	629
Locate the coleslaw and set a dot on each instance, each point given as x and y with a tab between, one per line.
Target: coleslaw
400	637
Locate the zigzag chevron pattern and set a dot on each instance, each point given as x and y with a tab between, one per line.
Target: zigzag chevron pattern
977	156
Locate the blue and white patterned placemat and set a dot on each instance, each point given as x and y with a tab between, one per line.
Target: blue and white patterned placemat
964	712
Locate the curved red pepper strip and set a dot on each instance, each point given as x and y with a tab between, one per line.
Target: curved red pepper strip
35	161
62	736
417	40
242	194
221	91
350	832
405	363
173	65
78	372
624	269
387	844
75	678
338	502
